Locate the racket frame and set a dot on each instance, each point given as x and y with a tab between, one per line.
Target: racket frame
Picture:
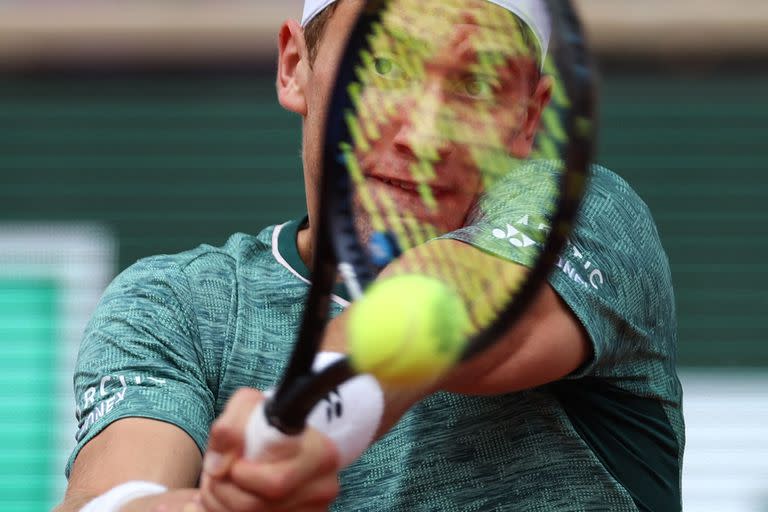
336	243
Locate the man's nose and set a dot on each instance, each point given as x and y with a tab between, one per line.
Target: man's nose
422	124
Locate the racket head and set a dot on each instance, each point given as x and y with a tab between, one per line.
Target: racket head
456	64
450	75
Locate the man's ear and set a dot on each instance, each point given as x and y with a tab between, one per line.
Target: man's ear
292	68
540	98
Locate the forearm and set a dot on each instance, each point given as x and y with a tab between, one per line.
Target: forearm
135	457
397	400
74	501
544	345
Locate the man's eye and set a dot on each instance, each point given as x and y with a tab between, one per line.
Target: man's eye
477	87
383	66
387	68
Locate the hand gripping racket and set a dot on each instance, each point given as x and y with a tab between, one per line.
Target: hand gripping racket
436	131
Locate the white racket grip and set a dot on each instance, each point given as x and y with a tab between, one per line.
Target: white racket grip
350	416
260	436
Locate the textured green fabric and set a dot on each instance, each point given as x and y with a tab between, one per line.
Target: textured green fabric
615	277
175	336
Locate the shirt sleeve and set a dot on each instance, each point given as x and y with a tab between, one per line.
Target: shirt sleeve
141	356
613	274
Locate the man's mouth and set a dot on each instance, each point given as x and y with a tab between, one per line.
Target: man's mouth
412	187
408	186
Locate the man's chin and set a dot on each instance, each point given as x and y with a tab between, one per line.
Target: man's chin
408	229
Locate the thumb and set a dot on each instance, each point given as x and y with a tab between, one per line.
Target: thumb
227	436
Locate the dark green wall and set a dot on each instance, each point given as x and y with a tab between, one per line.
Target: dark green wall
694	146
170	160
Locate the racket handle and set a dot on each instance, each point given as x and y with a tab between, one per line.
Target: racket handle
261	438
350	416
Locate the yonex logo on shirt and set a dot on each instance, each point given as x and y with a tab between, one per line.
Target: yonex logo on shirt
514	234
572	262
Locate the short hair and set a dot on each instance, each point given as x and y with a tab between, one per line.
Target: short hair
313	32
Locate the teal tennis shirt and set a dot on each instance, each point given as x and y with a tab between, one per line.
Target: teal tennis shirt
175	335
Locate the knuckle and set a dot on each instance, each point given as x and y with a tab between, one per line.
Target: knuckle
244	502
251	504
210	503
233	499
328	458
219	429
331	459
279	486
330	491
240	399
325	493
246	394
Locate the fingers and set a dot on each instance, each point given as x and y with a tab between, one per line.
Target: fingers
291	473
227	440
281	478
300	483
225	496
318	495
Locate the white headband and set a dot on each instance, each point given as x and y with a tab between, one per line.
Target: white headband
532	12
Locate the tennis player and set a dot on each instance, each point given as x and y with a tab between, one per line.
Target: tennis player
579	409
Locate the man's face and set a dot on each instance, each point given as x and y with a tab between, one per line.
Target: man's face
445	101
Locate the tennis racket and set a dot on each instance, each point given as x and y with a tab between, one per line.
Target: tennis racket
435	130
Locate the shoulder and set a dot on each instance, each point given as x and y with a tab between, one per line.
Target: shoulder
169	316
615	240
616	226
193	289
611	201
614	273
203	263
239	250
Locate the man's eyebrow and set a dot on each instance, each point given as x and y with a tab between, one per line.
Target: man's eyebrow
498	58
494	50
403	38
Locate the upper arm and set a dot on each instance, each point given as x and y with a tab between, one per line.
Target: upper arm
135	449
144	403
608	301
141	356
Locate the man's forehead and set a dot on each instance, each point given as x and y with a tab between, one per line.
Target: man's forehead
533	13
432	22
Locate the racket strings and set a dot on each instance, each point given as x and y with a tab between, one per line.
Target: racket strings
463	110
484	284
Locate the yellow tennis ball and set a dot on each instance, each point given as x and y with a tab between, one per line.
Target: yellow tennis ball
407	329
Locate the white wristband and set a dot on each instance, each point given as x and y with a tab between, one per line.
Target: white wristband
114	499
350	416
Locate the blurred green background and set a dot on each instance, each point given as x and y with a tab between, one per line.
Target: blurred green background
104	161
